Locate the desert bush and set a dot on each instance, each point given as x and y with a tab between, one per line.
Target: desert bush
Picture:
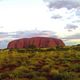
40	64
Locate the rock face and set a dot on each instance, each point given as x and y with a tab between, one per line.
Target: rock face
38	42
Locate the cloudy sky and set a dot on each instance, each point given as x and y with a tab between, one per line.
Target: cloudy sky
54	18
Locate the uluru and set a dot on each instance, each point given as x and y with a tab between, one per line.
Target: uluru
38	42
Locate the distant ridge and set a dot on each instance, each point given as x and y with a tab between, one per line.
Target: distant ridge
38	42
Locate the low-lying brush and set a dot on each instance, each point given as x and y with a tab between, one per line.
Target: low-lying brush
40	64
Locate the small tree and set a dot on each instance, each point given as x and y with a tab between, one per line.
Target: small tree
31	46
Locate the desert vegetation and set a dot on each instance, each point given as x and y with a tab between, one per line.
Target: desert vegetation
59	63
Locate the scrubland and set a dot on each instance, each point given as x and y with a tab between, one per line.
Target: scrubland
60	63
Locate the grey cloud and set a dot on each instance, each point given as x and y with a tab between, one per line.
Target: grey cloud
75	36
70	27
56	17
69	4
34	34
76	21
1	27
78	12
1	33
26	34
